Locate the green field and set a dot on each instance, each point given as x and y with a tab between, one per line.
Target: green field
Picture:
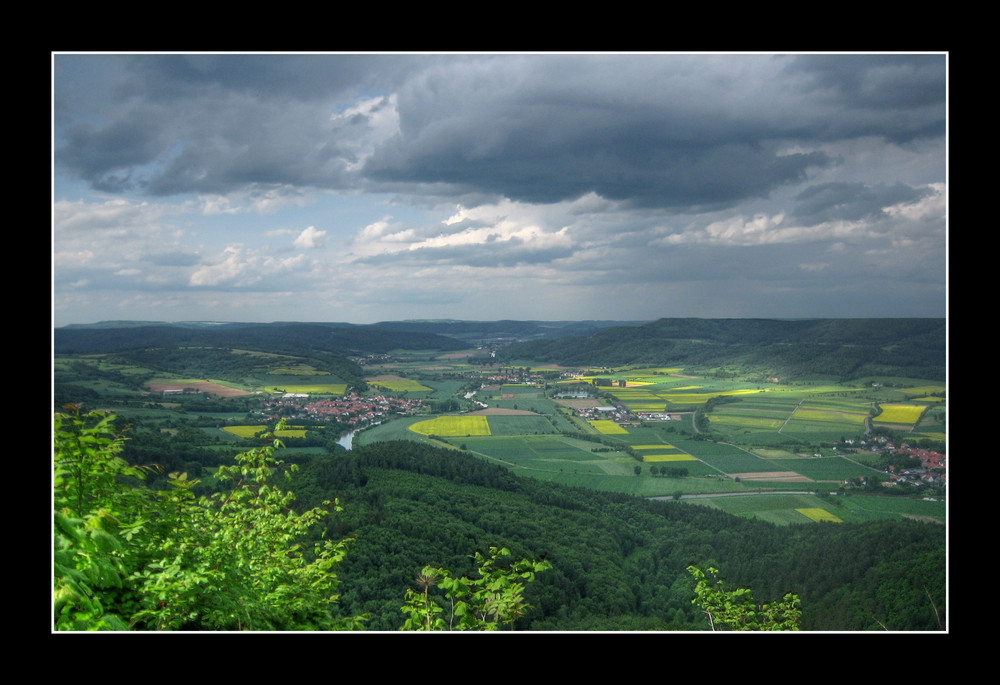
453	426
755	435
309	388
399	385
784	509
765	418
252	431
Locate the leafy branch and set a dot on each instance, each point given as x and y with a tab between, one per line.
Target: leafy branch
737	610
494	599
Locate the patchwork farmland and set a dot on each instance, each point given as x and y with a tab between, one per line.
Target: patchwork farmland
647	431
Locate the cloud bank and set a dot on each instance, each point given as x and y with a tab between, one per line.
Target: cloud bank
552	186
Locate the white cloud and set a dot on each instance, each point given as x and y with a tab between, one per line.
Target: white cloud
310	239
228	269
374	230
241	268
930	207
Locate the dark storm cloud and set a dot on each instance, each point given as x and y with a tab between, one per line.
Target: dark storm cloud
264	76
880	82
106	157
171	124
672	131
668	131
648	170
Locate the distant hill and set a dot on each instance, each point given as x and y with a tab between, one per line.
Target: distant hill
509	330
298	337
287	338
841	348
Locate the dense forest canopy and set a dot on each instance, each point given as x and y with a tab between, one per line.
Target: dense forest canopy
618	562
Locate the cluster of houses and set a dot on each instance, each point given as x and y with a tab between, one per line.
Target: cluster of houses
932	469
932	464
512	375
351	409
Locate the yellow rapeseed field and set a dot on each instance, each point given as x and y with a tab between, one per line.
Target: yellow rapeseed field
819	515
679	456
900	413
607	427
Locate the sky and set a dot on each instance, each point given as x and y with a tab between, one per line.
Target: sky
370	187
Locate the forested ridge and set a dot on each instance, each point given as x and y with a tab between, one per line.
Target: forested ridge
838	348
618	562
279	338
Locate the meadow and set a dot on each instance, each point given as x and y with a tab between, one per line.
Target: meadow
453	426
757	422
855	508
253	431
765	435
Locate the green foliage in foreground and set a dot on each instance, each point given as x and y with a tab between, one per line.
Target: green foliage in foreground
230	561
737	610
493	599
94	515
127	558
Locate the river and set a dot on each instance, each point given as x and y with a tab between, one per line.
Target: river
347	440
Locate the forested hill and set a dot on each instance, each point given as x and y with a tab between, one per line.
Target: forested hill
839	348
618	562
282	338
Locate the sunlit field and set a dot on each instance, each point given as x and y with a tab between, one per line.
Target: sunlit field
900	413
453	426
607	427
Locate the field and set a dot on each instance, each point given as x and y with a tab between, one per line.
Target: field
789	509
397	384
608	427
453	426
752	435
253	431
196	385
818	514
622	459
901	413
309	389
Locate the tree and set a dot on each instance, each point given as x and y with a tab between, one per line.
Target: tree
236	560
126	557
737	610
494	599
96	511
